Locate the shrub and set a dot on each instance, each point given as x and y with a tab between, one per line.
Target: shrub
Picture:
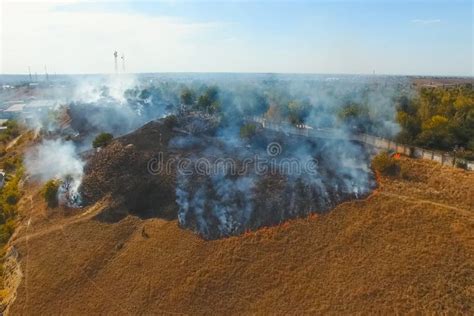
386	164
50	192
12	199
11	163
461	164
6	231
248	130
102	140
187	96
171	121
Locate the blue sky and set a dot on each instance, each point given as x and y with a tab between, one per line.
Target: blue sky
388	37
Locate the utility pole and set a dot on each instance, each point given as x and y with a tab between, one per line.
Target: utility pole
29	72
46	73
115	62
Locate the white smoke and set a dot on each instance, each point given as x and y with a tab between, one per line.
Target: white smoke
92	89
57	159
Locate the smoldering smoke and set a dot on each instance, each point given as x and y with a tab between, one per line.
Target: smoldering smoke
223	205
57	159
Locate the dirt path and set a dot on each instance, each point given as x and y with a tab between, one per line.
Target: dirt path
417	200
13	142
58	226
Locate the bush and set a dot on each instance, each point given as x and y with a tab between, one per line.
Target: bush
248	130
461	164
12	199
187	96
6	231
50	192
386	164
11	163
171	121
102	140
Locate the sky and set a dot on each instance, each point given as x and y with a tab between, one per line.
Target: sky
400	37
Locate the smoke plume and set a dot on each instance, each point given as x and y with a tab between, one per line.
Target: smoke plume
57	159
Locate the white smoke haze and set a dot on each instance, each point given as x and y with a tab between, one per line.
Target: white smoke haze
56	159
94	89
225	206
99	104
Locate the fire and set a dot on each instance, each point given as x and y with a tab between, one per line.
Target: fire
397	156
313	216
378	177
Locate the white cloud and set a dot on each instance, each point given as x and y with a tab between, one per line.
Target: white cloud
426	21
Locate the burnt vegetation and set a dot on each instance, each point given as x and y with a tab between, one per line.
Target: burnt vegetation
170	121
223	202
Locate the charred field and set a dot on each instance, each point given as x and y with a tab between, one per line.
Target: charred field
214	185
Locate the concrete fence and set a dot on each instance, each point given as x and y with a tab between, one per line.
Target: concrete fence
375	143
443	158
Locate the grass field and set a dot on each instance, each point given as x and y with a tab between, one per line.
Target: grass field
409	247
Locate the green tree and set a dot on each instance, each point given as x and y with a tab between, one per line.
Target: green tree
102	140
298	111
187	96
436	133
208	101
355	116
248	130
50	192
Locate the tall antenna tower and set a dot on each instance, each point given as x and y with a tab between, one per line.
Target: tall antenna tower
115	62
46	73
123	63
29	72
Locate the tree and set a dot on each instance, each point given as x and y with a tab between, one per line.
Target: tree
170	121
208	101
410	127
436	133
187	96
102	140
248	130
50	192
355	116
298	111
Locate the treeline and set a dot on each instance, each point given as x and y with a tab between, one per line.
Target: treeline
9	197
355	106
432	117
438	118
12	130
12	167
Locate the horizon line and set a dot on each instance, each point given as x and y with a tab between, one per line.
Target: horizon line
244	72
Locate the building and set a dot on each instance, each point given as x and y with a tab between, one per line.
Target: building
13	111
3	121
22	109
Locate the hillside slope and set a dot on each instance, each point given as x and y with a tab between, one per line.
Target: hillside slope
408	247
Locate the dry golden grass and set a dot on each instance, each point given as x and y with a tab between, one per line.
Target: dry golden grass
409	247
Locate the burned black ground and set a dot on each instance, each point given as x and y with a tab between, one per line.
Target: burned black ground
223	203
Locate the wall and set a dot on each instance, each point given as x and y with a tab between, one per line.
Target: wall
377	143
